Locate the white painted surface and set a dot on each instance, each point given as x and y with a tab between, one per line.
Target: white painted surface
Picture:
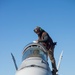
40	67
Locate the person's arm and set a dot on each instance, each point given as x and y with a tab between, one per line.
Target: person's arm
45	38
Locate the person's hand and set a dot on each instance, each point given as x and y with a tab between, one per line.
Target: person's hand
36	41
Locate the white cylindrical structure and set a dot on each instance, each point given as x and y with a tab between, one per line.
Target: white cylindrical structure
34	61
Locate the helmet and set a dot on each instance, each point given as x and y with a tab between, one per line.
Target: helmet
38	30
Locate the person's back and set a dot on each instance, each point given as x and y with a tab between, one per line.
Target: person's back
46	39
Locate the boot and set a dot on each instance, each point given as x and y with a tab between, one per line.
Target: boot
53	72
54	69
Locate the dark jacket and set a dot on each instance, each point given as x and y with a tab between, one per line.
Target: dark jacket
45	39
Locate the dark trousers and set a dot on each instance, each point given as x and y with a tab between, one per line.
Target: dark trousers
51	56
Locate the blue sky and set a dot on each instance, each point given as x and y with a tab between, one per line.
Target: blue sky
18	18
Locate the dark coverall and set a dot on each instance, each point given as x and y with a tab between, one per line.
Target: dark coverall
46	40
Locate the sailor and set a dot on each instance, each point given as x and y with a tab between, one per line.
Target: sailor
47	41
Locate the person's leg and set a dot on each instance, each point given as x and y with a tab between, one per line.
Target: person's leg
51	56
